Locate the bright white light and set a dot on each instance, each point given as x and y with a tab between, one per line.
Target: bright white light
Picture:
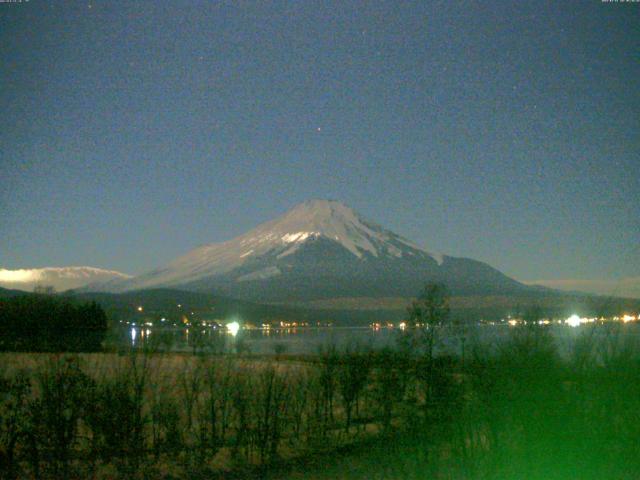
628	318
133	335
233	328
573	321
140	309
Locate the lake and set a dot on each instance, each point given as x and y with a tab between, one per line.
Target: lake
311	340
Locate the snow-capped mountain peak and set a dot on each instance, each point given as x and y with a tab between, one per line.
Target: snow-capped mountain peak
320	249
337	222
283	236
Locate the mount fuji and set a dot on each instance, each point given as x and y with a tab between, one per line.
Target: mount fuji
319	250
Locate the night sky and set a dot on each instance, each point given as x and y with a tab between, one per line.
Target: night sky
508	132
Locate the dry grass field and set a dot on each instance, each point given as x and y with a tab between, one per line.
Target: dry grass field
521	411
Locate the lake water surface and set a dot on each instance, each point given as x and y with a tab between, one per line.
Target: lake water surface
311	340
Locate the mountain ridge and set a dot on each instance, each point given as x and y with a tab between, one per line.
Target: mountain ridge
318	250
284	236
61	278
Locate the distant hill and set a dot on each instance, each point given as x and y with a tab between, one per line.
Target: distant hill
359	310
7	292
60	278
174	303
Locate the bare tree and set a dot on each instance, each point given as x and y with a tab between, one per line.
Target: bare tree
426	315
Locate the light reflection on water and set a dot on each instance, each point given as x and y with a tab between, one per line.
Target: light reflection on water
310	340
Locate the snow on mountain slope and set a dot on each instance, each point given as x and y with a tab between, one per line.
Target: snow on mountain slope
283	236
61	278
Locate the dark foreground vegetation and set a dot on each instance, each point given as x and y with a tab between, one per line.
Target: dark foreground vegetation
43	322
515	410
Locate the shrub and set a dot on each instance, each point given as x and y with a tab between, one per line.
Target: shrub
15	394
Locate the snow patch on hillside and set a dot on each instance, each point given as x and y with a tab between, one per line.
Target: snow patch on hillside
298	236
